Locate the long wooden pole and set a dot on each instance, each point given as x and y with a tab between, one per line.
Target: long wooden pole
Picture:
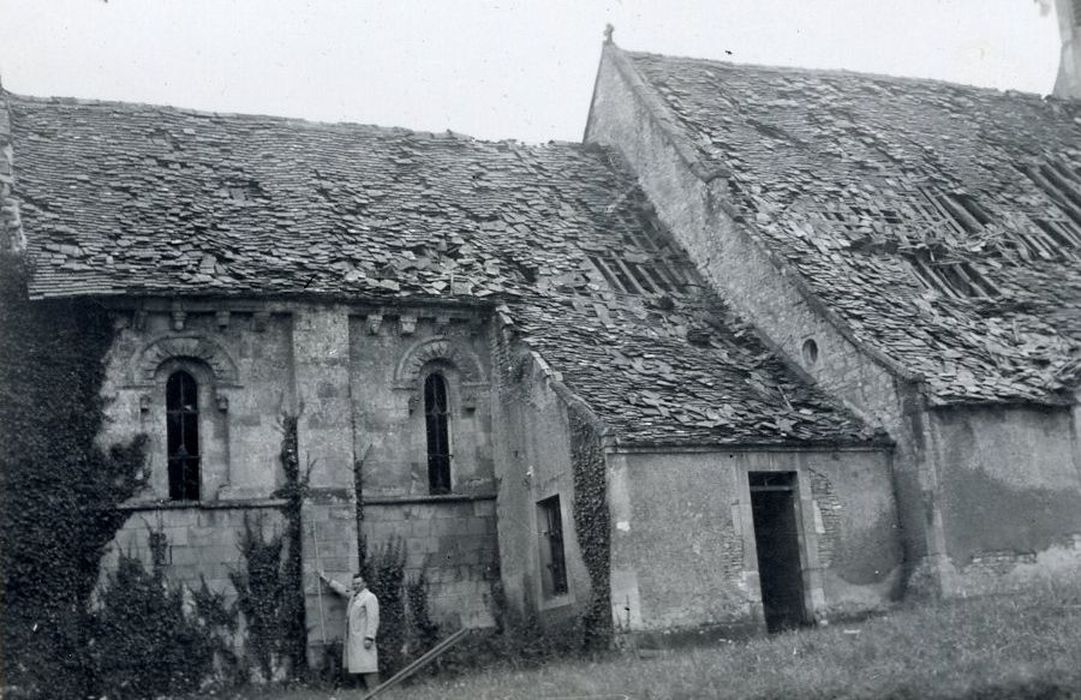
319	583
420	663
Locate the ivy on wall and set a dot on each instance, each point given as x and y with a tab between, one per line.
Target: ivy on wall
591	524
260	594
270	588
148	641
293	619
59	491
384	570
406	629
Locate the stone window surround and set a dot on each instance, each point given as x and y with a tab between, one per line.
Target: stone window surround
463	374
459	400
217	376
212	408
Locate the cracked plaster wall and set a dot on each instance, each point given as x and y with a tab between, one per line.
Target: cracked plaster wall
683	549
533	448
1011	495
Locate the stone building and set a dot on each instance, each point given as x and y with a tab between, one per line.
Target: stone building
912	246
771	346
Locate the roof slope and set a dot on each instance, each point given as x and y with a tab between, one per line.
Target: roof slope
142	200
941	223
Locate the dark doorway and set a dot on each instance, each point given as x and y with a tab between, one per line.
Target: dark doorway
776	535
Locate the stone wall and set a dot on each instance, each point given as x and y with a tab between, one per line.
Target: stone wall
693	205
451	537
12	238
243	365
1068	82
390	357
452	542
353	377
683	542
203	542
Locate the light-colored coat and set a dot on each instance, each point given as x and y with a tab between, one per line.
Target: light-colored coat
361	622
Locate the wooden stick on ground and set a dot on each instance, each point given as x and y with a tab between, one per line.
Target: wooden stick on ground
319	584
420	663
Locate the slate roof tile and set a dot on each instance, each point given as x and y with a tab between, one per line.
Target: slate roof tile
143	200
941	222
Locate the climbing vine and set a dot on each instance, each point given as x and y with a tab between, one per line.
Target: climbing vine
147	640
384	570
358	500
59	491
591	523
406	629
270	588
294	622
260	594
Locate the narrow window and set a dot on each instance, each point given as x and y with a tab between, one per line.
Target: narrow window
550	520
435	418
182	436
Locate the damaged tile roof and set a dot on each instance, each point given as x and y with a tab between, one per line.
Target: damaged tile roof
940	223
143	200
672	371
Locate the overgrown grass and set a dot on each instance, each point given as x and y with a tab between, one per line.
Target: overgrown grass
993	647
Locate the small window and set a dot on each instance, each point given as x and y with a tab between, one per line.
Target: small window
182	436
553	564
435	419
810	352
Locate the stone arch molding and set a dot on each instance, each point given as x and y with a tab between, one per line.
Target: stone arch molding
151	357
409	368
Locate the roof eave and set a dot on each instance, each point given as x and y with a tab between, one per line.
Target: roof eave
623	445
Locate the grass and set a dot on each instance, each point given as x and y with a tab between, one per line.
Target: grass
1017	646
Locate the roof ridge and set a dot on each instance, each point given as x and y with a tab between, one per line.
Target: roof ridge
774	68
67	101
300	122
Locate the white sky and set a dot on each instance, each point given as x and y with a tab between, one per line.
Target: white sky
489	69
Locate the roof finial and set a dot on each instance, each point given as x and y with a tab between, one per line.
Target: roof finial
608	29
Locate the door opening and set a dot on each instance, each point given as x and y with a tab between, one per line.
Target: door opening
776	535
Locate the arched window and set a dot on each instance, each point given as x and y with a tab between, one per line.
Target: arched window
435	419
182	436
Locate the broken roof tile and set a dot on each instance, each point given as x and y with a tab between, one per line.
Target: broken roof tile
140	200
927	215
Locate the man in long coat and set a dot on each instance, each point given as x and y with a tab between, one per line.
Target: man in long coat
359	653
